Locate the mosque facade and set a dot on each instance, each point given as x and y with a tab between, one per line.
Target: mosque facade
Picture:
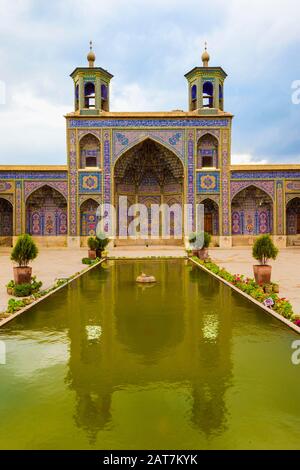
151	158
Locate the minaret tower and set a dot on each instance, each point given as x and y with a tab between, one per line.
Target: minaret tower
91	85
206	87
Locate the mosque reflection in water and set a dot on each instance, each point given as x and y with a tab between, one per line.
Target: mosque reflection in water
129	338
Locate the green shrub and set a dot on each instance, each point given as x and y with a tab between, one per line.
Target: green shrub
15	305
87	261
206	237
264	250
93	243
25	290
24	251
11	285
102	242
35	285
22	290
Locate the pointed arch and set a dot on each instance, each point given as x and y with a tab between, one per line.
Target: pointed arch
265	186
147	173
208	151
6	221
32	186
143	138
88	217
90	150
252	212
293	216
211	216
46	212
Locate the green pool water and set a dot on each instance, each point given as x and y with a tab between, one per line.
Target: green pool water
185	364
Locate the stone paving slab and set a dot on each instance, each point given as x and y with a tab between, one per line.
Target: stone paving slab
50	265
286	269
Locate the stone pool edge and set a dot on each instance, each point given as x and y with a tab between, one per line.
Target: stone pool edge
28	307
248	297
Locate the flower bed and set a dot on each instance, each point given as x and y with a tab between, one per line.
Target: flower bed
247	285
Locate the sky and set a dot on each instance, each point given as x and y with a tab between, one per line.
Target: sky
149	45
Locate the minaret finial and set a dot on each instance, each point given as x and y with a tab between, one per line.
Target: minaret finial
205	56
91	56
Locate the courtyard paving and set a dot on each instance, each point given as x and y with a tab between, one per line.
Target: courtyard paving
53	264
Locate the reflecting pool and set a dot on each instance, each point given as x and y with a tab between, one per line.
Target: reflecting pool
183	364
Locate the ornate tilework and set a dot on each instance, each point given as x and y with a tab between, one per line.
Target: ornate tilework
115	123
6	218
73	185
83	133
191	177
280	207
90	182
254	175
292	186
31	186
107	168
19	208
225	187
33	175
267	186
6	187
290	197
7	197
123	141
86	197
214	132
213	197
208	182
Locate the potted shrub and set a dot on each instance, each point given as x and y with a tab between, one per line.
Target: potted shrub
201	252
264	250
102	243
24	251
10	288
93	246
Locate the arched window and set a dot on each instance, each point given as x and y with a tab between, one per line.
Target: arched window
208	95
6	222
89	152
211	217
104	97
221	98
293	217
89	95
207	152
194	97
76	97
88	218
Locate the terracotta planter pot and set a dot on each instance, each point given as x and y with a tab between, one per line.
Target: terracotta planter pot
22	275
203	254
262	274
92	254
